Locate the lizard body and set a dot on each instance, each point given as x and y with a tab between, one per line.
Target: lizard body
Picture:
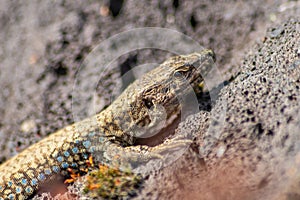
133	114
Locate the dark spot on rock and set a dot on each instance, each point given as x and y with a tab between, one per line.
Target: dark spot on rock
270	133
175	4
249	112
60	70
241	173
79	57
263	183
125	68
285	137
193	21
65	43
20	105
258	157
259	129
282	109
227	119
115	7
291	97
214	123
278	123
289	119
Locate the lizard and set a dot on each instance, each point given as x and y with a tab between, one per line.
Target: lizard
135	112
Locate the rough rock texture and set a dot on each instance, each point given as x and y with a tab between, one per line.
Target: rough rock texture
255	149
252	153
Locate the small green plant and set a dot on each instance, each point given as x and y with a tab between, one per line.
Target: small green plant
112	183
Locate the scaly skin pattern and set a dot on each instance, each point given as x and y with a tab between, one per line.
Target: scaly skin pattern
137	111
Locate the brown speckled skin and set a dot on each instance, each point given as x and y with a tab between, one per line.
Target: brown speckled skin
136	111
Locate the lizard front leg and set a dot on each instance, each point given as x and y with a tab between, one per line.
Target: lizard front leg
143	158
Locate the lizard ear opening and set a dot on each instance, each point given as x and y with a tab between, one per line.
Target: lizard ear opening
148	103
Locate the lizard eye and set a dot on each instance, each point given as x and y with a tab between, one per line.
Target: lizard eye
178	75
148	103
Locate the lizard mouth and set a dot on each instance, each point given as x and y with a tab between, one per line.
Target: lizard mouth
160	136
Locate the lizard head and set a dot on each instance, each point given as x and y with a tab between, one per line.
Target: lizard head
152	102
174	77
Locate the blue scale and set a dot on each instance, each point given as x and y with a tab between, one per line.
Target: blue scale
60	159
64	165
75	150
92	149
11	196
55	169
34	182
85	156
74	165
41	177
29	189
101	139
91	134
24	181
66	153
86	144
9	183
18	190
47	171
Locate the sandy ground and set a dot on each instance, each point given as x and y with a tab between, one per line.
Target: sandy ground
256	151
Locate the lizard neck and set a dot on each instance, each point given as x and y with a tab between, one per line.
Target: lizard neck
110	124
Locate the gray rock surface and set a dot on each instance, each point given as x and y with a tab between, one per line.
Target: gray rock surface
254	153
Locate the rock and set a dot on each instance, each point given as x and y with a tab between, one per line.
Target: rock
254	153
